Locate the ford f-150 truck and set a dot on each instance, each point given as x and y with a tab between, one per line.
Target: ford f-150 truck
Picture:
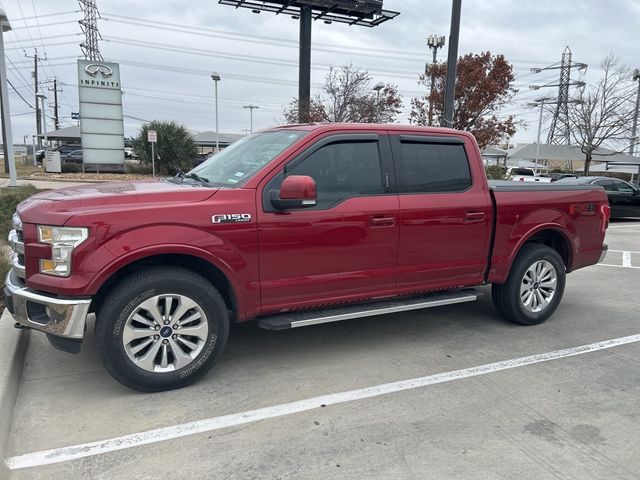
293	226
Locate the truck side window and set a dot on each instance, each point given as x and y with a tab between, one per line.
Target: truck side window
430	167
342	170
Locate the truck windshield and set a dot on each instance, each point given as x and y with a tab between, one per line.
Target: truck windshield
236	164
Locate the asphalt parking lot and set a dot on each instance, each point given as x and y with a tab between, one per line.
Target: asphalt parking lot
566	413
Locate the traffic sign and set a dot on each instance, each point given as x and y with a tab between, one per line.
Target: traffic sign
152	136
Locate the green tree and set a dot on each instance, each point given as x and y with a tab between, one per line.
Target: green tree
174	150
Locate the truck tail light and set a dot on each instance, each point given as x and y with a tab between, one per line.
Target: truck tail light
605	214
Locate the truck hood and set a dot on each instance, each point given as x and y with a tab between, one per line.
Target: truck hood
56	207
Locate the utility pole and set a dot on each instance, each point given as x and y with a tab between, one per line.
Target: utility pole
634	125
251	109
56	119
35	84
452	64
434	42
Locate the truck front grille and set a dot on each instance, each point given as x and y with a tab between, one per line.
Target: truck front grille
16	241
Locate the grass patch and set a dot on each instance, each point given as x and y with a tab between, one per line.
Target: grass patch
22	170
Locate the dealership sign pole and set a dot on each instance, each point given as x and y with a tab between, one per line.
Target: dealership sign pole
152	138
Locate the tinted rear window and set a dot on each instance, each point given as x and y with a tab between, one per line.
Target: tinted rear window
430	167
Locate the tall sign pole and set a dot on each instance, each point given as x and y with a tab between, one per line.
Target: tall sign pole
6	114
452	60
152	138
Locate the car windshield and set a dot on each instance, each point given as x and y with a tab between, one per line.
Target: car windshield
236	164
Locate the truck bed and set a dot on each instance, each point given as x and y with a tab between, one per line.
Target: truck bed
567	214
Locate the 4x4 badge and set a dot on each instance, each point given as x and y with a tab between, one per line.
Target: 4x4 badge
231	218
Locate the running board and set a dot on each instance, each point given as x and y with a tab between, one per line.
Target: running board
282	321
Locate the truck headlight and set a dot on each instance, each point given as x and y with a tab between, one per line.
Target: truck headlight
62	240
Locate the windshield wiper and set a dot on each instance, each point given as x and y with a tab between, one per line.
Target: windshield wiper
197	178
180	176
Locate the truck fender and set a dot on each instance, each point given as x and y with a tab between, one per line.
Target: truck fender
526	229
128	247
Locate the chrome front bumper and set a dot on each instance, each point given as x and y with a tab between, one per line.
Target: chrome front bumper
63	317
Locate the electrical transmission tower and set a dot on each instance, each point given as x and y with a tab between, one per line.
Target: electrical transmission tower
89	25
559	132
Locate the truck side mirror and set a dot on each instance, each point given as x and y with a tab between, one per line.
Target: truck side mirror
296	191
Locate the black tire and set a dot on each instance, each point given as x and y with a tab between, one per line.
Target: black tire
507	297
128	295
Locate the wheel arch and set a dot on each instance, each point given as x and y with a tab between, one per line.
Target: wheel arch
552	235
209	271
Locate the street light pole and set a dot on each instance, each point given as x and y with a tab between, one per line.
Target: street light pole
215	76
251	109
379	86
434	42
452	63
6	114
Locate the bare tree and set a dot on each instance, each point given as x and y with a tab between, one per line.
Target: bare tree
347	96
604	112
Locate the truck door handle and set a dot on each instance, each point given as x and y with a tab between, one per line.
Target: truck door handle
382	221
474	217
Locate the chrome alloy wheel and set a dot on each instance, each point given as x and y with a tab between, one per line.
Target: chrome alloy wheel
165	333
538	286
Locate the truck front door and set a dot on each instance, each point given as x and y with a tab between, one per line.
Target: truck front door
445	214
345	247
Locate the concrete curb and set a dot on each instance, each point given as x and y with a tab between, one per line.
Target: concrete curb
13	348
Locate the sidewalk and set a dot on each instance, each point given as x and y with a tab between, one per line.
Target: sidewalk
44	184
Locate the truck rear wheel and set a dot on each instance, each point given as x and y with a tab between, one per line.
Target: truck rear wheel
534	287
161	328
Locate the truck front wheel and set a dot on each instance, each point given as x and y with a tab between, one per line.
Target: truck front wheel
534	287
161	328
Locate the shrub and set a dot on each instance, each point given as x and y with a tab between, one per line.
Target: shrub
495	172
137	168
71	168
10	197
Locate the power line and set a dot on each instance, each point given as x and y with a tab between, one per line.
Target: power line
19	94
288	43
244	58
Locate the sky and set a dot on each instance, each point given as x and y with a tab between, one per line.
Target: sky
168	49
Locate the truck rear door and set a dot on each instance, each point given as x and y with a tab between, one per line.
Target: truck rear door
445	212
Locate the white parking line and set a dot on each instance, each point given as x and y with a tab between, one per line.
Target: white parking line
609	265
64	454
616	227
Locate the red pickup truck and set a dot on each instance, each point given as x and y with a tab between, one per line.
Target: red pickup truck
292	226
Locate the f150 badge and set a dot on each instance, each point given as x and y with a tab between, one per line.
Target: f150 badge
231	218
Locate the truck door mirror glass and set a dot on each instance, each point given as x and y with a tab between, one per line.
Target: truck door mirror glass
296	191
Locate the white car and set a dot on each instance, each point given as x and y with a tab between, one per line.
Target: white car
129	152
517	174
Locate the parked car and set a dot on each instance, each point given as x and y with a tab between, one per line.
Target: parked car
559	176
624	198
40	156
73	156
129	152
517	174
68	148
290	227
